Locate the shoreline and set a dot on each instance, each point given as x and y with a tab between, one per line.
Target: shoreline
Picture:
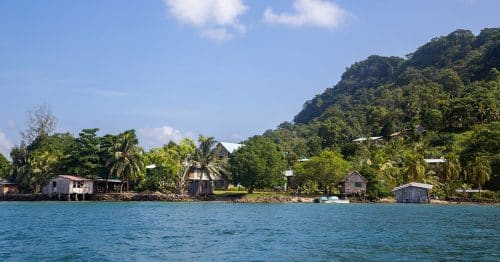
160	197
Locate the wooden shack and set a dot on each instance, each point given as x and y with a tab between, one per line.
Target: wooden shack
8	187
416	193
353	184
200	183
69	187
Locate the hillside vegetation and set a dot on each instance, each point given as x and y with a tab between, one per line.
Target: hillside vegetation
450	86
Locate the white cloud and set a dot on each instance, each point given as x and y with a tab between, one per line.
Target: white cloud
216	19
158	136
319	13
5	145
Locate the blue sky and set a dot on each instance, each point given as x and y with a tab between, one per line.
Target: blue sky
176	68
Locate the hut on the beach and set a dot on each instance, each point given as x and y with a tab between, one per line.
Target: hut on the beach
8	187
417	193
69	187
353	184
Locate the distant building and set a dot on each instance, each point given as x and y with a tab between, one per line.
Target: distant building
200	183
108	185
353	184
8	187
69	187
225	149
413	193
363	139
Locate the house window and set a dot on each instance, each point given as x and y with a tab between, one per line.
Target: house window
54	184
357	184
77	184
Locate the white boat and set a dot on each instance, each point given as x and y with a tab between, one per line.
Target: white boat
332	200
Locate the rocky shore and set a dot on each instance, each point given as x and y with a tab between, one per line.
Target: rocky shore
156	196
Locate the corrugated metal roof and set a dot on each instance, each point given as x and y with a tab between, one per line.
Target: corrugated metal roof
7	182
111	180
435	160
360	139
413	184
74	178
230	147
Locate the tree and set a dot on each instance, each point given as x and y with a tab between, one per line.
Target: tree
258	164
172	165
479	171
205	158
185	151
41	123
414	167
327	170
125	161
450	172
84	159
5	167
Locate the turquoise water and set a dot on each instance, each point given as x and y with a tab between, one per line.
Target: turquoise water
149	231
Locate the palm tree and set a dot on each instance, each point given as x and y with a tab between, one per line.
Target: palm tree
451	171
206	160
125	157
414	167
480	170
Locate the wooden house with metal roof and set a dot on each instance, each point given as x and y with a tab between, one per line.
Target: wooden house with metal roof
69	187
8	187
353	184
416	193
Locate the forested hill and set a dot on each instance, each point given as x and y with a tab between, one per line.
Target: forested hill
444	67
450	86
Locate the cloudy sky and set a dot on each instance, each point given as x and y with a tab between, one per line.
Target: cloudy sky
177	68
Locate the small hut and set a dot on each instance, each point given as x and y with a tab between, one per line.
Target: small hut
200	183
353	184
69	187
8	187
416	193
110	185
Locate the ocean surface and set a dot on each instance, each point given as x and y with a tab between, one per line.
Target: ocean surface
153	231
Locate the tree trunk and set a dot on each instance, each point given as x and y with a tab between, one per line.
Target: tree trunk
250	190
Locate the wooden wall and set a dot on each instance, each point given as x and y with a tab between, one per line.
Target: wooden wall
412	195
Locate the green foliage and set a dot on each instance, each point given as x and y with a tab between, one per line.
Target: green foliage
5	167
258	164
172	163
125	159
326	170
450	86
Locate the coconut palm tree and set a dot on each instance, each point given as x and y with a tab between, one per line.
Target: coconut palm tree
480	171
450	172
414	167
205	158
125	157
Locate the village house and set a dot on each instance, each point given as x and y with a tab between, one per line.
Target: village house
353	184
363	139
225	149
199	181
416	193
110	185
69	187
8	187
